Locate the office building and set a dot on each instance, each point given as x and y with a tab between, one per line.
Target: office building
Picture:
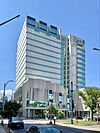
47	63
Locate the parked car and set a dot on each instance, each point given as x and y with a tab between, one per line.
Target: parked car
43	129
15	122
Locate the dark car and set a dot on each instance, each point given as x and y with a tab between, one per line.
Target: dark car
16	122
43	129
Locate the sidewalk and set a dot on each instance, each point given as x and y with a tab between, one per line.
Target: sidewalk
92	127
2	130
5	129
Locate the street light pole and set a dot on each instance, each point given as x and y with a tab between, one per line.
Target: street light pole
9	20
51	104
71	98
5	84
97	49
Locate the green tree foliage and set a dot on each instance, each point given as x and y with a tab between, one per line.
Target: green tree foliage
11	108
90	96
46	113
52	110
39	104
60	113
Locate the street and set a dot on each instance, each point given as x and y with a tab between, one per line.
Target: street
63	128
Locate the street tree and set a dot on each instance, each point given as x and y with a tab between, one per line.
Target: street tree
90	96
60	113
52	110
11	108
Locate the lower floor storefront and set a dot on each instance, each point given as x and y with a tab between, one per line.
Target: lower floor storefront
38	113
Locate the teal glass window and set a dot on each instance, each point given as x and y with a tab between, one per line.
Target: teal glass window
62	82
50	94
79	77
79	86
62	67
67	72
79	82
58	37
82	64
81	73
53	31
43	26
60	97
80	68
83	55
81	59
68	82
42	76
29	68
31	21
44	37
82	50
63	39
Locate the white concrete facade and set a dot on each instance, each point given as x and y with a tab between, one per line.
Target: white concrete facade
38	56
38	90
44	54
75	69
77	62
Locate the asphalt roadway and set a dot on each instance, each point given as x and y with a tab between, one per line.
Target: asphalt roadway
63	128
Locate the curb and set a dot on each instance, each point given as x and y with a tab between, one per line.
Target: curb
79	127
5	129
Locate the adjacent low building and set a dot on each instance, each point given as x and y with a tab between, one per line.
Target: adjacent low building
35	95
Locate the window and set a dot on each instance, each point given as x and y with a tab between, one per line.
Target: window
31	18
43	23
27	103
82	64
80	83
81	59
83	55
50	94
81	73
31	21
81	49
60	97
79	77
80	68
53	30
42	26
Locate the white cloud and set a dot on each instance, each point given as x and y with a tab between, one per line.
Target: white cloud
7	92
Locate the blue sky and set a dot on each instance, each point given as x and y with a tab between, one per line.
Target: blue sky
77	17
